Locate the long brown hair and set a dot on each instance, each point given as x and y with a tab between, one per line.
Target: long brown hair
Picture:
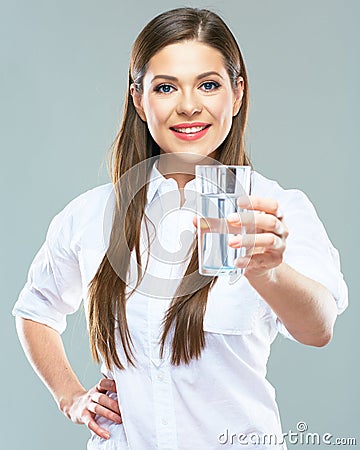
133	145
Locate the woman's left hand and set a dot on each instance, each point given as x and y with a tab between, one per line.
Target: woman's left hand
265	238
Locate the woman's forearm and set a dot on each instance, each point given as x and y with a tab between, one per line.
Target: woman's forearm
305	307
44	349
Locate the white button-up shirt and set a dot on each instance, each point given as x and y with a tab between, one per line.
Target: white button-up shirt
223	399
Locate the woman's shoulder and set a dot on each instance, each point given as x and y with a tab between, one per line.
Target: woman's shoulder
90	201
82	210
95	194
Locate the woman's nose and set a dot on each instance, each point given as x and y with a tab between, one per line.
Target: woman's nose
189	104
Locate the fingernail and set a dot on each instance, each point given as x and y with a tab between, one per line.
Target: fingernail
277	243
279	228
108	384
243	202
279	213
233	240
106	435
233	217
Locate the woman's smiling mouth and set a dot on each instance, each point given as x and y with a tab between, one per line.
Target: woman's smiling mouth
190	131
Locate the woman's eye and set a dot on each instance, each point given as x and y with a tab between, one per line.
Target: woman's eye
210	85
164	88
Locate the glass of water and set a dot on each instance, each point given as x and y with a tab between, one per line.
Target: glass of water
219	188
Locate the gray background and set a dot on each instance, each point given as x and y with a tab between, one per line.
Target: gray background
63	74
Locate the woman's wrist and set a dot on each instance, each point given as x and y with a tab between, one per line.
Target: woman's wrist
66	401
265	279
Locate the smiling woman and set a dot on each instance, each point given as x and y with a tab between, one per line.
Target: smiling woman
183	355
188	81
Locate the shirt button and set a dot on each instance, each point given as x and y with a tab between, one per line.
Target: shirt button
164	422
160	377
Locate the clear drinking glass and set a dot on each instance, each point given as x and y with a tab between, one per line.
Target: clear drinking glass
219	187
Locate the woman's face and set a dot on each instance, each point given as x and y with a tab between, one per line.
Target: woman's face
188	101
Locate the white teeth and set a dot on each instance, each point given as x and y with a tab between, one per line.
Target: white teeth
189	130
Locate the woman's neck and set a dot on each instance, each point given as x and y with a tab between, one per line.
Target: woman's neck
181	166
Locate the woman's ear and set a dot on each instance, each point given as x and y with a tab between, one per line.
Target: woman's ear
238	95
137	100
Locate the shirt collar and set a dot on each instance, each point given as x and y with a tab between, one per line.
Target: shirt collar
157	181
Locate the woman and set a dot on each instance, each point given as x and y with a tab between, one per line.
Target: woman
184	356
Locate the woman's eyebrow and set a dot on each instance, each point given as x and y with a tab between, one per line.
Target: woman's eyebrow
199	77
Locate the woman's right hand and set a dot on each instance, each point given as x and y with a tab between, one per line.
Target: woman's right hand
44	349
87	404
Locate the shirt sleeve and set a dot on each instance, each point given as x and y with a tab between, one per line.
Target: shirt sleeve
309	249
53	288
